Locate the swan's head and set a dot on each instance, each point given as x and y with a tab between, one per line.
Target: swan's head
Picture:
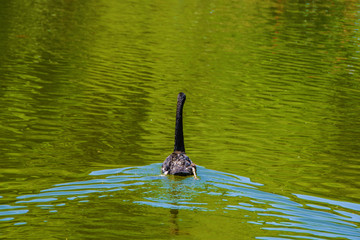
181	97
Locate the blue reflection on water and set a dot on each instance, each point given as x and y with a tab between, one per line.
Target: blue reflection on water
337	219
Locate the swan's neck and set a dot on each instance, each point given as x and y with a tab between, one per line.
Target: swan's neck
179	136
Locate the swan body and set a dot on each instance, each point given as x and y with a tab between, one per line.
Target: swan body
178	163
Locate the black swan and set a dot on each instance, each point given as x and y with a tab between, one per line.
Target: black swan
178	163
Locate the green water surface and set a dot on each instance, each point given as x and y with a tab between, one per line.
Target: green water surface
273	96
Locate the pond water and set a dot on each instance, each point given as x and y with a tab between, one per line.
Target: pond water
88	94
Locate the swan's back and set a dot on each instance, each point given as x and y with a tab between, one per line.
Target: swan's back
178	164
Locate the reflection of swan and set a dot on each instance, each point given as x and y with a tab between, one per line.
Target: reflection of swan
178	163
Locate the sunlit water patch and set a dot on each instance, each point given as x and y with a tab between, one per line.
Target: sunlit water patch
220	193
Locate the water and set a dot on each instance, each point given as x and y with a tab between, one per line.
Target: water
110	203
88	93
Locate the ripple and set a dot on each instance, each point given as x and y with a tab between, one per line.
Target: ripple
215	192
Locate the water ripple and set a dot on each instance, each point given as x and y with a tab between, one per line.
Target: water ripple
216	191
